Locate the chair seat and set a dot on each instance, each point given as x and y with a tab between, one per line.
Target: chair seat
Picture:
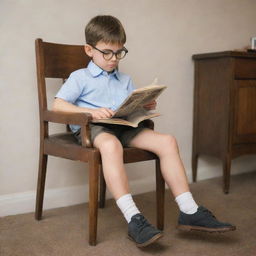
65	145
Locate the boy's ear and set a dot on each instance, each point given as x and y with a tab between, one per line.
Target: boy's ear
88	50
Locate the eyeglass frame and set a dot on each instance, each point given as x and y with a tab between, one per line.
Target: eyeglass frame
109	50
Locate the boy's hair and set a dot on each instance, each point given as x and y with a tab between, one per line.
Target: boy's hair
105	28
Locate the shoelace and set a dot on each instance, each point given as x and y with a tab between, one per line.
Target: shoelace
142	223
209	213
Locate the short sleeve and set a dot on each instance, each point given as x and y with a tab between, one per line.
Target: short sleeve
71	89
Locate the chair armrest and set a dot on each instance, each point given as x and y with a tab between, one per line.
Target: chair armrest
82	119
67	118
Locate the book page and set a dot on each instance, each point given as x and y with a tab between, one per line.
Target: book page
132	120
138	99
141	115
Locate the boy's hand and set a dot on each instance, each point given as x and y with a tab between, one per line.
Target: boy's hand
101	113
151	105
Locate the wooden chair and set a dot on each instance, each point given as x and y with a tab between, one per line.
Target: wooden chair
58	61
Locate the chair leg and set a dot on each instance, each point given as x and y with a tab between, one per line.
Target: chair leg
194	166
93	197
226	173
40	186
102	189
160	193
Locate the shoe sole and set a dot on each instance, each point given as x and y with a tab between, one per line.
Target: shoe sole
150	241
204	229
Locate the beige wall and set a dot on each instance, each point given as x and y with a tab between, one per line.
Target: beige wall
162	36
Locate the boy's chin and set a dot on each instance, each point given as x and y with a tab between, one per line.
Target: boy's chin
109	70
112	66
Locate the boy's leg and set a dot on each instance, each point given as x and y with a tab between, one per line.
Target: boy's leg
116	179
112	160
165	146
172	167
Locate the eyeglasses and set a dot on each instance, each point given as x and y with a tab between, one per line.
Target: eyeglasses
108	54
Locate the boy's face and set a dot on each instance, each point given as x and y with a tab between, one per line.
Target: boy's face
97	56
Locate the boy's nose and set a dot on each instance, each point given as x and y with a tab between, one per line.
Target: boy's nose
114	57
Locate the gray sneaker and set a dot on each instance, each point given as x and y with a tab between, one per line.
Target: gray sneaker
141	232
202	220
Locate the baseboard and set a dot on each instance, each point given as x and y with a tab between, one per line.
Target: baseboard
24	202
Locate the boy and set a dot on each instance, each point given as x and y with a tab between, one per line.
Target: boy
99	89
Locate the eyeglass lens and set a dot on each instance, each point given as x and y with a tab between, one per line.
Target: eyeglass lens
119	54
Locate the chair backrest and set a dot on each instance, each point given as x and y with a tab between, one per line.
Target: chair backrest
56	61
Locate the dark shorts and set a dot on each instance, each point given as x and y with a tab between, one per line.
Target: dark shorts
122	132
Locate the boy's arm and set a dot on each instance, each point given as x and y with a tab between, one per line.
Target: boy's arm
62	105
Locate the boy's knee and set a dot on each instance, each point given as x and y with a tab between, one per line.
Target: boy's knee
111	145
169	142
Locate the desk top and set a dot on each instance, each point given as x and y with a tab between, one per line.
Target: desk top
236	54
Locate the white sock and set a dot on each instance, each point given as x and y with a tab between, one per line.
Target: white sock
127	206
186	203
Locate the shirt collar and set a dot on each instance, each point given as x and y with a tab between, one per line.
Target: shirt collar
116	74
96	70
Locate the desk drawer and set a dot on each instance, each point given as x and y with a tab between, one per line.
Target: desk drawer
245	68
245	112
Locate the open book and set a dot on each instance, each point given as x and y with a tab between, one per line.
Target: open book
131	112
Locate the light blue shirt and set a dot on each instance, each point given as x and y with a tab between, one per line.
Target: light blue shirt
93	87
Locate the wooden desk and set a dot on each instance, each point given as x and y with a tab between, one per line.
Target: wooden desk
224	108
